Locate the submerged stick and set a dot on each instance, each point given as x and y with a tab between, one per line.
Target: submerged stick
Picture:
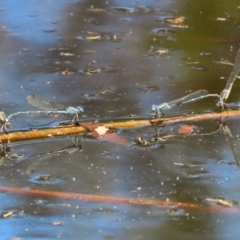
117	200
129	123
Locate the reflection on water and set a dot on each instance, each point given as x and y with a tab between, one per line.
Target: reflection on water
116	59
103	168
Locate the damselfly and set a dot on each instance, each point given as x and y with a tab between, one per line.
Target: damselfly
234	143
48	108
227	90
200	94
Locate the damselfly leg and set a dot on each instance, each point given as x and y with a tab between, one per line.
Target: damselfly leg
3	122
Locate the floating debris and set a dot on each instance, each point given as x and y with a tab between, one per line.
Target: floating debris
7	214
197	67
185	129
221	201
143	142
89	96
177	20
92	9
105	90
96	37
150	88
225	62
116	37
207	54
66	72
178	26
192	63
57	223
221	19
194	174
164	32
91	71
161	51
67	54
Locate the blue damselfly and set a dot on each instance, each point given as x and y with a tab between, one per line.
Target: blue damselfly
48	108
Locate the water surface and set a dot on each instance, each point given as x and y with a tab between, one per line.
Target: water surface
70	53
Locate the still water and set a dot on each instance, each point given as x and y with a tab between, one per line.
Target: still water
116	59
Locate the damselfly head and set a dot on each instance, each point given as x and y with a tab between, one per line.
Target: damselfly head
154	108
4	125
73	110
80	109
219	103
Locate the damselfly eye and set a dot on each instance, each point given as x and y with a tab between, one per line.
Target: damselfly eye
154	107
80	109
219	103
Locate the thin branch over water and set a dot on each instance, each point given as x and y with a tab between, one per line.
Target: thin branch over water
128	123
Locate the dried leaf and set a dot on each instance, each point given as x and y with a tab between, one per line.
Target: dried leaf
98	130
185	130
115	138
95	128
101	130
225	202
176	20
220	201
